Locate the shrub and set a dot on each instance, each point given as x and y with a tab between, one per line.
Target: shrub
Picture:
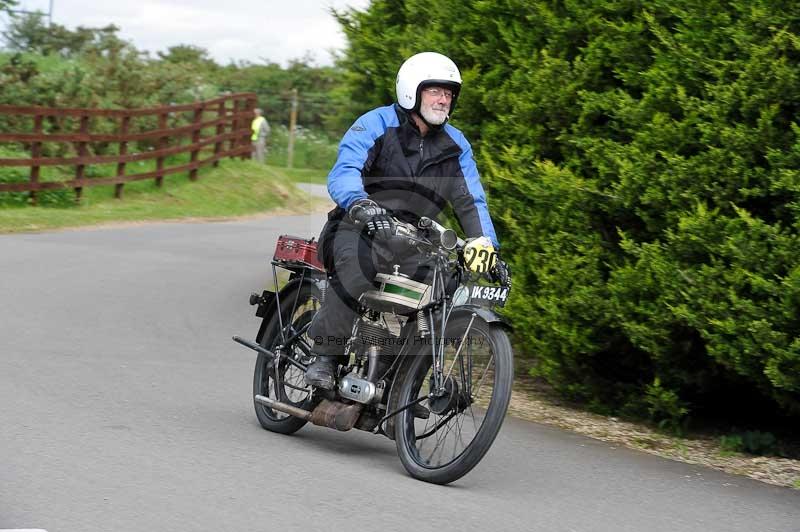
641	161
751	442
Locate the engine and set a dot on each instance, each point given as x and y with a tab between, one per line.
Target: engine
376	334
379	344
356	388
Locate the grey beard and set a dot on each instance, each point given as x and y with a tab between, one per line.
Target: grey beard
435	118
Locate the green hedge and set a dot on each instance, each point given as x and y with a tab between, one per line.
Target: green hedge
641	160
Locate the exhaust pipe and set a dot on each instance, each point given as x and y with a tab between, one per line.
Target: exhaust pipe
331	414
336	415
283	407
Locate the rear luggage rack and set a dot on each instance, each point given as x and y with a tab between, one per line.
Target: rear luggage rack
294	251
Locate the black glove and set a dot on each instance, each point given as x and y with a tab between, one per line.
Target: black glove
500	274
372	216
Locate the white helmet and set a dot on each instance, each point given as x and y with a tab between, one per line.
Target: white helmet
420	70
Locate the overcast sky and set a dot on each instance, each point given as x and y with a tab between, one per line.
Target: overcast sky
272	30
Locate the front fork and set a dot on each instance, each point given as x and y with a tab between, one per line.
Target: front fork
440	375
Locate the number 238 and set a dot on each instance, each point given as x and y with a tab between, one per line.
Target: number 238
479	260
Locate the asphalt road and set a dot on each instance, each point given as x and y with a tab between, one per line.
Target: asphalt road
126	406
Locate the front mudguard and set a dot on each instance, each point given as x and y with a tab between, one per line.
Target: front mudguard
486	314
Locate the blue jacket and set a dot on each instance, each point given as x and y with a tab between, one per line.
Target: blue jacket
384	157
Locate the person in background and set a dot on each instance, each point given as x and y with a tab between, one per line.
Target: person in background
260	128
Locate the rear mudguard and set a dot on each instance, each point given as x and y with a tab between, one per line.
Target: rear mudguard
267	304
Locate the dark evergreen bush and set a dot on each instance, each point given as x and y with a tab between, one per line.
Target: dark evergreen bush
642	161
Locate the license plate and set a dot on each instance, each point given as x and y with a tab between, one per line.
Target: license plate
488	295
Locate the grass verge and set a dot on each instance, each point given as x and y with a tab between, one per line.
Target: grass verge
306	175
235	188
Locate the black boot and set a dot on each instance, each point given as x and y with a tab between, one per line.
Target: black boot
322	373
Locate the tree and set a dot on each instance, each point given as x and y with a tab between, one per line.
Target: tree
320	105
26	33
188	54
30	33
6	5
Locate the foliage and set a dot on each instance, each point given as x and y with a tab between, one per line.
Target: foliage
29	33
187	54
94	67
317	101
751	442
311	150
641	161
665	407
376	49
6	5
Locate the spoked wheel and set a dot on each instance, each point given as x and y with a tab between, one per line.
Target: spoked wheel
467	407
297	310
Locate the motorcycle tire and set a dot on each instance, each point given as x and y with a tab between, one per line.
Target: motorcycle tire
481	416
299	308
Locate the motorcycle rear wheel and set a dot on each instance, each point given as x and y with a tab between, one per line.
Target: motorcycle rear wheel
293	389
463	422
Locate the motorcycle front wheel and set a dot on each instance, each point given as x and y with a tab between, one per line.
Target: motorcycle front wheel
467	411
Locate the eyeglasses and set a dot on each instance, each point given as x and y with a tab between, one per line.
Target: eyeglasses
435	92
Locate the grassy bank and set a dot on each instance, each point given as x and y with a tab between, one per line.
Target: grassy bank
235	188
306	175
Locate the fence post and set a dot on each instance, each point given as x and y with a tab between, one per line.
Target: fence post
80	169
123	150
162	143
292	125
198	117
36	151
234	126
220	131
249	105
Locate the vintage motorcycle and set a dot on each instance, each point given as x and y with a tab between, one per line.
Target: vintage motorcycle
429	363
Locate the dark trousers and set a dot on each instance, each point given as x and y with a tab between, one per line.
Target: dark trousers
354	262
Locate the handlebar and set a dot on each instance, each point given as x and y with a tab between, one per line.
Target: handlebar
447	238
436	233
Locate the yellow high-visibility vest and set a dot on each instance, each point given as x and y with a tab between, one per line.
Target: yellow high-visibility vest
256	126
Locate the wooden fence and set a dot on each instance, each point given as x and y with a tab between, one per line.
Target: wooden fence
230	122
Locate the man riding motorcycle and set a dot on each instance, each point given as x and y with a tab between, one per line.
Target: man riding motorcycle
402	161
